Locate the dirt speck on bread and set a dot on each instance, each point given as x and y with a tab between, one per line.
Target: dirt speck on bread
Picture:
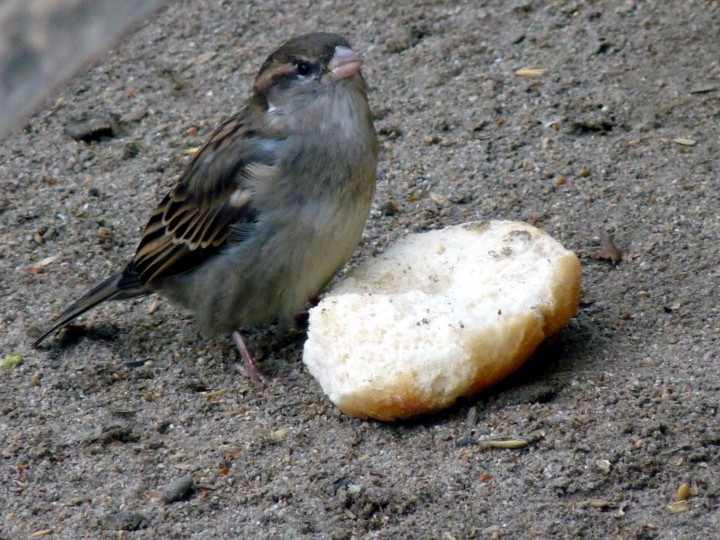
631	383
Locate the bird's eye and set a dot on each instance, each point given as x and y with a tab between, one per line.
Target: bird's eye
303	68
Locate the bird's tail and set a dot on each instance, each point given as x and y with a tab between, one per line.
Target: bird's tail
117	287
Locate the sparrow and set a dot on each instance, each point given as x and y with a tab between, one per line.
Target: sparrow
270	207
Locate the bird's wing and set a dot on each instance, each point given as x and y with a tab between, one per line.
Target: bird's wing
211	199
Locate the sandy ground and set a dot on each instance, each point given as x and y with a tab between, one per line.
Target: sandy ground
619	411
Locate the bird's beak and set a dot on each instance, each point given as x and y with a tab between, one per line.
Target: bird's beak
344	64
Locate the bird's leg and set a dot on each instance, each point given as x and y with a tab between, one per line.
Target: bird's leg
253	369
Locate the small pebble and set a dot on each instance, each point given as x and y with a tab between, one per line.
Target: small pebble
126	521
389	208
471	419
93	128
177	490
279	435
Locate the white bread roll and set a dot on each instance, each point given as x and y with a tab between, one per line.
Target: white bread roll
440	315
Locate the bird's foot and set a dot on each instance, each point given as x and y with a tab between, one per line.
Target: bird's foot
252	368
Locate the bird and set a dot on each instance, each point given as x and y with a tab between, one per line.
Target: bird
270	207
